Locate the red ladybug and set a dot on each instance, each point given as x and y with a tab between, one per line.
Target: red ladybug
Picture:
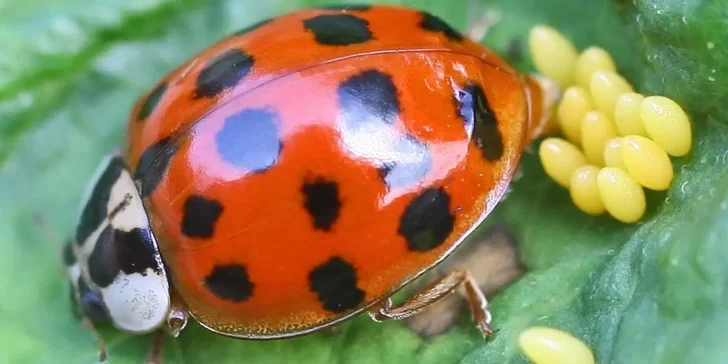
299	172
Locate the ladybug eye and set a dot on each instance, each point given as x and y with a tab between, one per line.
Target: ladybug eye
91	304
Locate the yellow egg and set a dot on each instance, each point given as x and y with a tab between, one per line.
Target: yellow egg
596	129
560	158
646	162
589	61
545	345
622	196
553	54
605	87
575	103
584	190
613	153
667	124
627	114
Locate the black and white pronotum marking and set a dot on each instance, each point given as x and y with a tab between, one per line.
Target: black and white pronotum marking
117	274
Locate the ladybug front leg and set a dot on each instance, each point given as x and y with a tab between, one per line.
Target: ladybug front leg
86	322
176	321
385	311
157	349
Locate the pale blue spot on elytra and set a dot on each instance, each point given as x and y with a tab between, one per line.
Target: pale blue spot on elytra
250	140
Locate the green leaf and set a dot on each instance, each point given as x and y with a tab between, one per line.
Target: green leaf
651	292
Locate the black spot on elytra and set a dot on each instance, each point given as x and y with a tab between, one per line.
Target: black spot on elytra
230	282
350	7
91	303
480	121
369	96
96	208
121	251
338	29
250	140
224	72
321	200
69	257
334	282
433	23
252	27
151	102
153	165
199	217
427	221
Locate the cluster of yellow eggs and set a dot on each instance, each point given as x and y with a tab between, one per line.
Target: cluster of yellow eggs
617	141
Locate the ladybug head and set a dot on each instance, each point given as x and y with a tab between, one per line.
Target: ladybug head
114	263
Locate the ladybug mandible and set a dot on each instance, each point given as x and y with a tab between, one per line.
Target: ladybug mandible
298	173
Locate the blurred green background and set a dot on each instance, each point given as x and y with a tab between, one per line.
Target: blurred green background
651	292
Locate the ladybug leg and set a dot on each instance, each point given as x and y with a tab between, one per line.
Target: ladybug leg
176	321
480	21
177	316
386	311
155	354
92	329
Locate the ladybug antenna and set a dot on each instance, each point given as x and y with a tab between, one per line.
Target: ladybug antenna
480	21
51	236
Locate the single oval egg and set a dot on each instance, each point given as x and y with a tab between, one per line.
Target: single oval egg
553	54
574	104
559	159
596	129
591	60
613	153
545	345
605	87
627	114
623	197
584	190
647	162
667	124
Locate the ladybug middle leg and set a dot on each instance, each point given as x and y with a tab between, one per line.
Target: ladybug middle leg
176	321
385	311
89	325
155	354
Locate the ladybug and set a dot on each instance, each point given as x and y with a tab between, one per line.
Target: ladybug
298	173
